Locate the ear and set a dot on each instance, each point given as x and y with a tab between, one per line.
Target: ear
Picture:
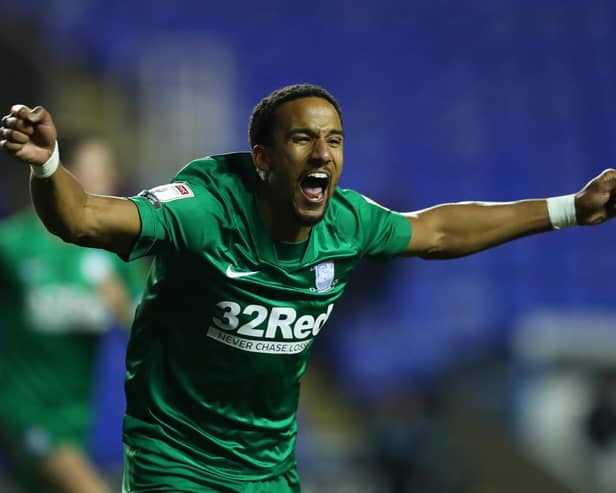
261	160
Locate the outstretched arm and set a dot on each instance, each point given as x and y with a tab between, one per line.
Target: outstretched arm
455	230
78	217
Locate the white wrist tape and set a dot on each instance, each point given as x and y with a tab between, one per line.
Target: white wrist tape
50	166
561	211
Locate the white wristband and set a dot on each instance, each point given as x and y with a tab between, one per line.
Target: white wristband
50	166
561	211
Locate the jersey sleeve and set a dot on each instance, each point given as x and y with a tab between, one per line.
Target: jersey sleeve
380	233
183	215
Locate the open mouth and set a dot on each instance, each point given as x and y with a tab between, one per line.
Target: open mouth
315	185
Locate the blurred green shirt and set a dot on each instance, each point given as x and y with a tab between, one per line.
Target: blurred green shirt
51	317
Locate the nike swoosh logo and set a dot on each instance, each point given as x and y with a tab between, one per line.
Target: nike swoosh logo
234	275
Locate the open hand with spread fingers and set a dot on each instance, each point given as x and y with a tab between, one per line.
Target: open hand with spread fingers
28	134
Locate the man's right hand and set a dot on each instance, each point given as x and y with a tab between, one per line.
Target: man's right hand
28	134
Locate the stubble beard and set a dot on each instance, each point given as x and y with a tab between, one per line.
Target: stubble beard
308	220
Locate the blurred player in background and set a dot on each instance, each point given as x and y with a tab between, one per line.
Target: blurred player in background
252	250
55	301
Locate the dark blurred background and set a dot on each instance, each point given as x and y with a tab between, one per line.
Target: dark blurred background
489	373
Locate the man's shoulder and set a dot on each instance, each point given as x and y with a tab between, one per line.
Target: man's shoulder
218	167
343	212
346	199
352	200
222	175
351	210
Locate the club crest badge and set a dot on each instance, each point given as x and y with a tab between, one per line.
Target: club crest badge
324	276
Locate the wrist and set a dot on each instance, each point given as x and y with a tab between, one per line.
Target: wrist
49	167
561	211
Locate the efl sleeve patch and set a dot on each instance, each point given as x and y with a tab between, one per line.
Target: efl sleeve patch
169	192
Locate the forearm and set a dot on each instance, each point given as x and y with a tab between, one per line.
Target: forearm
59	201
456	230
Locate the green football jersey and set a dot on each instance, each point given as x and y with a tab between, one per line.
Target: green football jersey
228	318
51	317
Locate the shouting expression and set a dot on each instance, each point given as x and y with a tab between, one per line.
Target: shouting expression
303	163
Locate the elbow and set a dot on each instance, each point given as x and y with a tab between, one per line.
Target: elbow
432	255
437	249
64	234
444	247
437	254
67	233
60	230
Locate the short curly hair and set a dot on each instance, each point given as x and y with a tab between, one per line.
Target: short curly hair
262	116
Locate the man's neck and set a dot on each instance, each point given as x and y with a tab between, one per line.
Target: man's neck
282	224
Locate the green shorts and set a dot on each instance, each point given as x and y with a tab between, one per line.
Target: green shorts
140	477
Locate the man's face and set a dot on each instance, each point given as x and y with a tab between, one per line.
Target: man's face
305	157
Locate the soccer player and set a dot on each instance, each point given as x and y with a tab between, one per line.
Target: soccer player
55	301
251	252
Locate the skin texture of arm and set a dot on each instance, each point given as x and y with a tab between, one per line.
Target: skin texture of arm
455	230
